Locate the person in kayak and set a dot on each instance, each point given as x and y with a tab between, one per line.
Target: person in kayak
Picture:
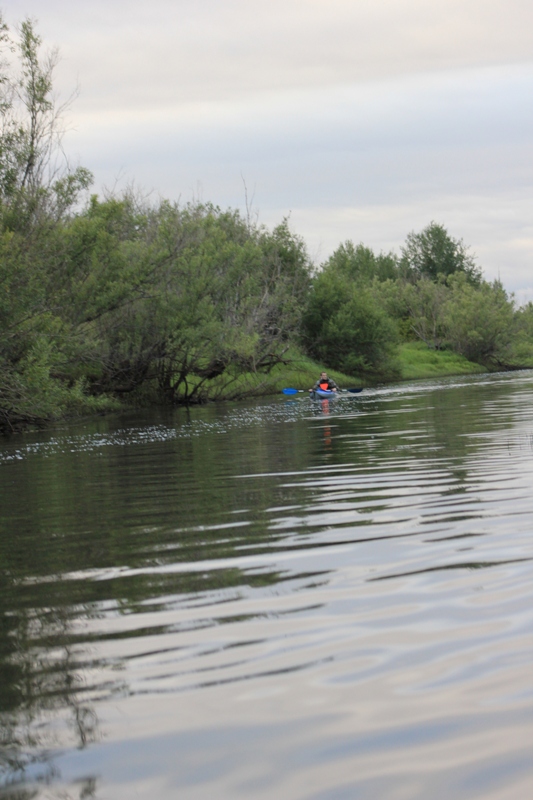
325	383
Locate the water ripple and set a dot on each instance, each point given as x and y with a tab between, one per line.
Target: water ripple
348	585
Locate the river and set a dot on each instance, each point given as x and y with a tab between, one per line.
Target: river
278	598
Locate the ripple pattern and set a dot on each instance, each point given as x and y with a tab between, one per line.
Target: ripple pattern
274	598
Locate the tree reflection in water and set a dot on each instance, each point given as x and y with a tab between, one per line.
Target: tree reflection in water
42	679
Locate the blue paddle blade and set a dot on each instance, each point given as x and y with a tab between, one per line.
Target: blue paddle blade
354	391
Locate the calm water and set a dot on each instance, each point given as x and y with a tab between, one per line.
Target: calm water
273	599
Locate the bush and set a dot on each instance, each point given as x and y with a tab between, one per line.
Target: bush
345	328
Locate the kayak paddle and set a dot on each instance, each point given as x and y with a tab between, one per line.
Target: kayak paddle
295	391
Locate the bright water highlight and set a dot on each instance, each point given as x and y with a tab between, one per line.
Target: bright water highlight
273	599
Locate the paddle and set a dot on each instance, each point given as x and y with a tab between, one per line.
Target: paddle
295	391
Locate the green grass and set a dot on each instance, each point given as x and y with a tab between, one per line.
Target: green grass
300	373
416	360
303	372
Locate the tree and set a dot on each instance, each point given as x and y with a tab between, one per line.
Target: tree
31	128
34	196
360	263
480	321
523	343
345	327
433	253
182	300
425	302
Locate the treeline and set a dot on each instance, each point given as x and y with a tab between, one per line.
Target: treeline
361	305
117	298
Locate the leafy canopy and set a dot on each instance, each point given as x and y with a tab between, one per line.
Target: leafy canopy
434	254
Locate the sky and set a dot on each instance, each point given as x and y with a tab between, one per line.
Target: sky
359	119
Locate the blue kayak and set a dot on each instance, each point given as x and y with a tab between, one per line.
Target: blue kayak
324	394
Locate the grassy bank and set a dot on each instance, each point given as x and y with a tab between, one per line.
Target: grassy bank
300	372
303	372
416	360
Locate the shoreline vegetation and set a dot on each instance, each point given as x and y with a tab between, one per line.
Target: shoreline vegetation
119	301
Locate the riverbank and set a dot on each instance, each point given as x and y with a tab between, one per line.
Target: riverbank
419	361
414	361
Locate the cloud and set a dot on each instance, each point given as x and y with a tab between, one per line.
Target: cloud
167	52
464	131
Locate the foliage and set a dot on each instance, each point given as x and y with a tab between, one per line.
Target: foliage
435	295
167	296
345	327
523	341
479	321
360	263
425	303
104	300
193	295
31	124
433	253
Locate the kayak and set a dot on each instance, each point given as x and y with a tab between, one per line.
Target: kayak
327	393
324	394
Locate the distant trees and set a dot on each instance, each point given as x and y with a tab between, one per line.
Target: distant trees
345	328
361	304
423	303
447	304
480	322
360	263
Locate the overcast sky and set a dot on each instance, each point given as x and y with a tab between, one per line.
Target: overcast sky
363	119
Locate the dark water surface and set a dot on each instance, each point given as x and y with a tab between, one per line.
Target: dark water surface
273	599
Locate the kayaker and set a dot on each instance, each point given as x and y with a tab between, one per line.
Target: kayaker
325	383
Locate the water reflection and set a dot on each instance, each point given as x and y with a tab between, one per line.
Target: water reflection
356	574
41	678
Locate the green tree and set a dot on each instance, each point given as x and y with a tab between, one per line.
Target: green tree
176	297
433	254
523	342
360	263
346	328
425	303
31	120
480	321
36	195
